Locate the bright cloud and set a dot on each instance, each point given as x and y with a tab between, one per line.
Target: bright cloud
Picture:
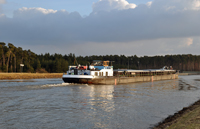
186	43
189	41
177	5
149	4
42	10
108	5
196	4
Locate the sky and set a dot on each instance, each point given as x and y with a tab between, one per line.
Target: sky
102	27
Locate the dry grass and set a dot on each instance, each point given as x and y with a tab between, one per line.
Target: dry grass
190	120
187	118
29	75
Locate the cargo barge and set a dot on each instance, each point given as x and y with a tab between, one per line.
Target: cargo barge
99	72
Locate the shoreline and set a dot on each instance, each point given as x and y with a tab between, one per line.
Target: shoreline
186	73
186	118
7	76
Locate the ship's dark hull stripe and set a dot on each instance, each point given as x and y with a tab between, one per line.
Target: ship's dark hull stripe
78	80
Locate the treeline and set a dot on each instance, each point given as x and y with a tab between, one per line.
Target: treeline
185	62
15	59
12	57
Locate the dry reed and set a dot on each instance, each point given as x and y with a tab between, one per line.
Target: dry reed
29	75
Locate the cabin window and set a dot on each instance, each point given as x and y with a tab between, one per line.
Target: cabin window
106	73
100	74
75	71
96	73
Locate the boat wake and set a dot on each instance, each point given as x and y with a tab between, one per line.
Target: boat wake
55	85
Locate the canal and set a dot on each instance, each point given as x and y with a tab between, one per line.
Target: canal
50	103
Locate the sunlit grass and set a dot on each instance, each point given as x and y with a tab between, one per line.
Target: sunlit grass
190	120
29	75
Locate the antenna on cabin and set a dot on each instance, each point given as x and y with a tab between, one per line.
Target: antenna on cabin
75	61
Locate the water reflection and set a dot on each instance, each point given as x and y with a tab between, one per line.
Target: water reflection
50	103
99	93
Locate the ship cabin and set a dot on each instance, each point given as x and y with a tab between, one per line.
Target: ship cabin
97	68
101	68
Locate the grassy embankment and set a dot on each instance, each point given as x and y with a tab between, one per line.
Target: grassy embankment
29	75
187	118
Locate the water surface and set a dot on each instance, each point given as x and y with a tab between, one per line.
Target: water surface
50	103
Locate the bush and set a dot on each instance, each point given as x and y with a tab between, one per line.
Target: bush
41	70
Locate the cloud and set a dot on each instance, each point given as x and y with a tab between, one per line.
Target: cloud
1	15
113	25
186	43
149	4
36	10
2	1
176	5
162	46
196	5
108	5
189	41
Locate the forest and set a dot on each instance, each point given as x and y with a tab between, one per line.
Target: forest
15	59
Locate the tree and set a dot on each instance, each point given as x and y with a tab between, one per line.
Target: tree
2	46
9	54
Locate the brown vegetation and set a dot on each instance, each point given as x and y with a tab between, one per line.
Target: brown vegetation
42	70
29	75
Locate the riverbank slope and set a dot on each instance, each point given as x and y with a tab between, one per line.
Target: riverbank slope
187	118
29	75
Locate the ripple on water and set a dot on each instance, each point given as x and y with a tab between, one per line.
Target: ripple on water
50	103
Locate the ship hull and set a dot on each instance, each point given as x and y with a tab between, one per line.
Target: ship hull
78	80
86	79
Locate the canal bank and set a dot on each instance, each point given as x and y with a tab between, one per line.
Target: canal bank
185	73
187	118
29	75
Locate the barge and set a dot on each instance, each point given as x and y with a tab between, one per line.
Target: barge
99	72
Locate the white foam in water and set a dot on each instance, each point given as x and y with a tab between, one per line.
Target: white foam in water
54	85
